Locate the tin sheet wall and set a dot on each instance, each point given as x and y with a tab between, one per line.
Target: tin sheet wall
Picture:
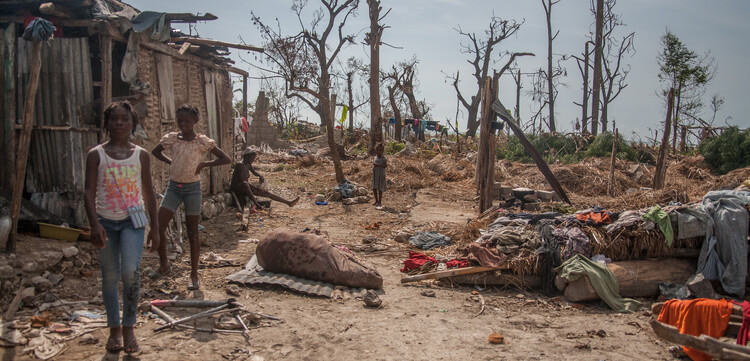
64	113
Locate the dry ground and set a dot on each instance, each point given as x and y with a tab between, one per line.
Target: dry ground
408	325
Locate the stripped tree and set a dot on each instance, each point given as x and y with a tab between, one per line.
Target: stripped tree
480	51
304	59
614	72
550	73
373	39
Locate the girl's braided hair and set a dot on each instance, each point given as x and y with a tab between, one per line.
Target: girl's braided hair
124	104
187	108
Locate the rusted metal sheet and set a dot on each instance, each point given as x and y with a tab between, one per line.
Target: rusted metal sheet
255	274
65	98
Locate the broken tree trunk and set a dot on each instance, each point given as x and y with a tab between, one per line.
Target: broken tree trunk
486	161
332	141
611	186
634	278
661	166
498	107
23	145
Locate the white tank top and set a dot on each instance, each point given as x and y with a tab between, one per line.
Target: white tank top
118	184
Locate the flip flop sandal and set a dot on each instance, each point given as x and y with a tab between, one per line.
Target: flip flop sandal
132	347
114	345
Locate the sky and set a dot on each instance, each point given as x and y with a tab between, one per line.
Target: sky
426	29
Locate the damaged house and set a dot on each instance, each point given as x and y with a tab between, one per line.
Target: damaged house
103	51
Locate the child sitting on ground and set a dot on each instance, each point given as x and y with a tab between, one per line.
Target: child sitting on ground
118	183
189	151
379	164
242	188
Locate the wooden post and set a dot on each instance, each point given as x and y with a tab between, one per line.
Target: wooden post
661	161
611	187
23	145
332	141
486	156
105	49
244	97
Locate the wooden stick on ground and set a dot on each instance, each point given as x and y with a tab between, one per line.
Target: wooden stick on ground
481	299
13	306
448	273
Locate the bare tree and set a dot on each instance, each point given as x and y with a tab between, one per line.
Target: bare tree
394	94
480	51
613	50
373	39
584	66
353	67
599	26
547	4
304	59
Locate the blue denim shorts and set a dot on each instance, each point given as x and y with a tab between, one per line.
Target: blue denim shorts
187	193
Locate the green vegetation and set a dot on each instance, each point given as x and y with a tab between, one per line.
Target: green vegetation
728	151
571	149
394	147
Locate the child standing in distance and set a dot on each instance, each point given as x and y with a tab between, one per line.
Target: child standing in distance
118	176
189	151
379	164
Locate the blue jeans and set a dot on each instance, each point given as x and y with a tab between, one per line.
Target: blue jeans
121	259
188	193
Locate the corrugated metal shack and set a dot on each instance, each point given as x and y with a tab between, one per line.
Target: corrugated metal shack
90	62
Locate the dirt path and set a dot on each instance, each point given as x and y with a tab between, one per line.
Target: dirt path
408	326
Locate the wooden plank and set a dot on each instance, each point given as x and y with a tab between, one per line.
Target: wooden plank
203	41
703	343
635	278
492	278
165	76
610	184
23	146
448	273
183	48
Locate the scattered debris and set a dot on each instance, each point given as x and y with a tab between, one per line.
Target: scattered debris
496	338
371	299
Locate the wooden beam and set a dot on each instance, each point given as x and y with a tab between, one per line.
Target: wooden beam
498	107
611	185
60	128
218	43
105	46
239	71
62	22
703	343
56	10
244	97
183	48
23	145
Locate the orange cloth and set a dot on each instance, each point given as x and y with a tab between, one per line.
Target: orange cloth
596	217
700	316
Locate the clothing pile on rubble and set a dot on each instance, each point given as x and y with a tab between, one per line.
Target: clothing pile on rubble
551	239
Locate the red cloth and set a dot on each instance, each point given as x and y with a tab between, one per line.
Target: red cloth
697	317
244	125
416	260
457	263
744	335
596	217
